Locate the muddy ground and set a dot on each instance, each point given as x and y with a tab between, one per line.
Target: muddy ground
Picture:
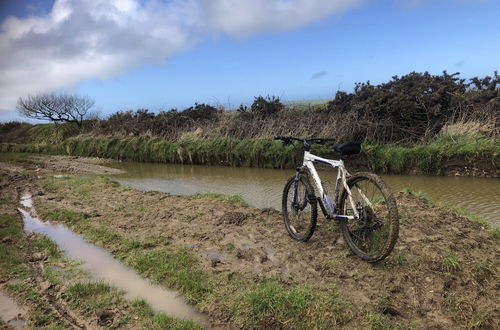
61	165
443	273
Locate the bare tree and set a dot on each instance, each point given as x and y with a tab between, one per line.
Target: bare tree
56	107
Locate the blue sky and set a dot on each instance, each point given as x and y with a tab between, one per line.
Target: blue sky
170	54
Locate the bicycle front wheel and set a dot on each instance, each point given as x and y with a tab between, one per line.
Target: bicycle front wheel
300	209
373	235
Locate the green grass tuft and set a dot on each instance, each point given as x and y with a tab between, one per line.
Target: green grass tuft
271	300
62	215
160	320
452	263
175	269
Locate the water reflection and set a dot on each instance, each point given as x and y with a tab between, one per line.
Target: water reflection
263	187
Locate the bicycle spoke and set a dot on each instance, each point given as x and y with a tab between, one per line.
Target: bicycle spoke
370	231
299	214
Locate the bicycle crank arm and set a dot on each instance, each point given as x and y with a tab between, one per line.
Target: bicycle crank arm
344	217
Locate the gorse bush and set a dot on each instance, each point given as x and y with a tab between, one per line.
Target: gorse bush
417	106
261	108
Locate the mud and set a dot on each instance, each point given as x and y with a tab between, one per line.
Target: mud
75	165
63	165
103	266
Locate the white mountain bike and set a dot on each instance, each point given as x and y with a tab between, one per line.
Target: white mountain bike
362	203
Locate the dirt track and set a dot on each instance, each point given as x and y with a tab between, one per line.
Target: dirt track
442	274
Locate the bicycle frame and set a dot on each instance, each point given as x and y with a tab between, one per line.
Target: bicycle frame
309	160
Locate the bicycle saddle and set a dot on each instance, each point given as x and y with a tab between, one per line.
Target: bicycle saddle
348	148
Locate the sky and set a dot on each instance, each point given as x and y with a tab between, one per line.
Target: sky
163	54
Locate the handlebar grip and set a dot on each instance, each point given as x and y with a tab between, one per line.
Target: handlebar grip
284	138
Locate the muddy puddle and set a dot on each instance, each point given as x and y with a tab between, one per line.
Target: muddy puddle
102	266
263	187
11	313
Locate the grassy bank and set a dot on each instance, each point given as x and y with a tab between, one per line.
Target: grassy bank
470	154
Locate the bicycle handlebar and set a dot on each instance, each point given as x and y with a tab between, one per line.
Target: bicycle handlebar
289	139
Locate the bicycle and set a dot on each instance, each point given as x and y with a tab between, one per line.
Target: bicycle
362	203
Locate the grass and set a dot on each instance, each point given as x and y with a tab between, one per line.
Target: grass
378	321
428	158
48	246
90	297
62	215
19	157
160	320
11	257
397	259
271	300
235	199
174	269
420	195
271	304
452	263
264	152
94	298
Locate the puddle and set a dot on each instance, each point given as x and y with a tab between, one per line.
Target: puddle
26	201
11	313
102	266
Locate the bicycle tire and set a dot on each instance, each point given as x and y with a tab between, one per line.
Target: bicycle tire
363	235
300	229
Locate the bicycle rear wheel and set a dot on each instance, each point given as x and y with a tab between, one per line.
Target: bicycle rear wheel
373	236
300	209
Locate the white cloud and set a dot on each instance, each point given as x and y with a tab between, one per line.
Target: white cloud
85	39
238	17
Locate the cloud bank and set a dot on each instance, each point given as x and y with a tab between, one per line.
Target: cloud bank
87	39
